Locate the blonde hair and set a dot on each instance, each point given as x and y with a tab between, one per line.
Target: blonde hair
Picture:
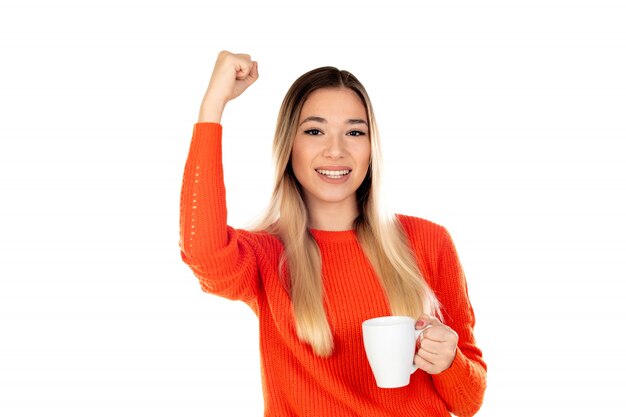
381	236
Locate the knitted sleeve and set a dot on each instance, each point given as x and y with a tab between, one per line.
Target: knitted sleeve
462	386
221	257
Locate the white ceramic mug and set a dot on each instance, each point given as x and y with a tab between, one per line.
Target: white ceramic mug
390	347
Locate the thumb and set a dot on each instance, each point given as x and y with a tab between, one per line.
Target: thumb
426	320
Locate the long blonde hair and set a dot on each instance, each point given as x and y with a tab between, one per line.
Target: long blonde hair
381	236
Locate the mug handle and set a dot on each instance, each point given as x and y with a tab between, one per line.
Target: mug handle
417	335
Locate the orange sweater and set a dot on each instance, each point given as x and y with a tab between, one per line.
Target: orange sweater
242	265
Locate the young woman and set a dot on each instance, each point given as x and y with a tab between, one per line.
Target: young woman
325	258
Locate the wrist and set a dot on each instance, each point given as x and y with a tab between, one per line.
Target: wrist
211	110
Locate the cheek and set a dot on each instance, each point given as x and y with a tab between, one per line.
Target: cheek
298	160
365	161
365	154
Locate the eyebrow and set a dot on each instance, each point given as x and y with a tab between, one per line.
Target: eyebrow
322	120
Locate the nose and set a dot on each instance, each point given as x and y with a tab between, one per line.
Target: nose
334	147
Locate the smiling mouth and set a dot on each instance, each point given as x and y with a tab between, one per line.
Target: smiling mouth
333	174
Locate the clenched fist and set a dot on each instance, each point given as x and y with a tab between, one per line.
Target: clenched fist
232	75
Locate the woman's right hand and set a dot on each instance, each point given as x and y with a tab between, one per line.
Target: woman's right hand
232	75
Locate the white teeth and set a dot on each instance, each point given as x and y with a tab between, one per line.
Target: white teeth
333	174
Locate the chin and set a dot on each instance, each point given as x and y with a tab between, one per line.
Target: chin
334	198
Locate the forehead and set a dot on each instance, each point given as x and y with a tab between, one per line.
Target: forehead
333	101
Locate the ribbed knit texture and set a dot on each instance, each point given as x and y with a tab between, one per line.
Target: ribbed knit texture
242	265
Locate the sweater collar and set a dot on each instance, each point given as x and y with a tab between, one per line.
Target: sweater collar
330	236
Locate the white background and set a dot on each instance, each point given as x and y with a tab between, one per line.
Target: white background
502	120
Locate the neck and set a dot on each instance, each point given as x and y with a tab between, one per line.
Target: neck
333	216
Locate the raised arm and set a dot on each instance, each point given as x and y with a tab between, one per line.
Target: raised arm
221	257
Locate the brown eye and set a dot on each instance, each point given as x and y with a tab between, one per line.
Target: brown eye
312	132
356	133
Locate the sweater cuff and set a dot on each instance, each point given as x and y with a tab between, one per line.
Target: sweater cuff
204	128
461	386
456	371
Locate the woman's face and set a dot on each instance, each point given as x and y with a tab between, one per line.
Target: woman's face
331	149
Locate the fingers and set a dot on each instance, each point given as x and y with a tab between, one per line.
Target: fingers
433	351
254	72
243	66
425	365
439	333
437	345
250	74
431	358
430	346
435	357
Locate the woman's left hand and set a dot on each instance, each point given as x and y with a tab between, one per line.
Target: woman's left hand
436	345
